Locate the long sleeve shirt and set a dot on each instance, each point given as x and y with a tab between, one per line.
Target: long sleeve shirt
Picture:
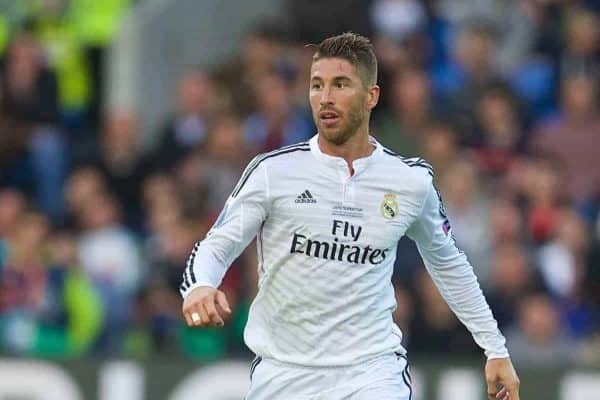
326	242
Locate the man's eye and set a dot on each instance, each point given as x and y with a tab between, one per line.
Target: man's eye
340	85
316	86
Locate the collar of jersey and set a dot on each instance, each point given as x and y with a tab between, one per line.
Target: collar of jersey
338	162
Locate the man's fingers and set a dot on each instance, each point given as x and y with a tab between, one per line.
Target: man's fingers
511	385
492	389
188	319
222	301
513	393
202	307
500	372
195	318
200	318
188	312
502	394
213	314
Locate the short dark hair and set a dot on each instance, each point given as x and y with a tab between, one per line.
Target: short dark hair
355	49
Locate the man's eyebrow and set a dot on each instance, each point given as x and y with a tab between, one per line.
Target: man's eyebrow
335	78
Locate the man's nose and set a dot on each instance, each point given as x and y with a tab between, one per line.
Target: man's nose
326	98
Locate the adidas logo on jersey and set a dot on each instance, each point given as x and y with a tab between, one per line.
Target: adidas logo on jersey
305	197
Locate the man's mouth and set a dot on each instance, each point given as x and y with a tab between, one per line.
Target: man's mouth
329	118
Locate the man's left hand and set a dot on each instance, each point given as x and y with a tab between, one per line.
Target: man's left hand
500	372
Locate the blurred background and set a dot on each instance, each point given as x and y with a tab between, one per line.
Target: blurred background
125	124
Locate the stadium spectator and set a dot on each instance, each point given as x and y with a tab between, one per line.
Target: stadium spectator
512	277
434	328
399	38
397	19
439	145
187	129
23	284
73	313
84	184
400	129
500	137
573	136
460	82
506	222
562	261
276	121
260	54
467	205
540	341
111	259
512	23
12	206
537	181
472	67
30	104
214	170
120	157
582	44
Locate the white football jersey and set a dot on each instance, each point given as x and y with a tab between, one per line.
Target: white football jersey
326	248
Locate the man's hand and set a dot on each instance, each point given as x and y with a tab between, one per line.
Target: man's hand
500	371
205	306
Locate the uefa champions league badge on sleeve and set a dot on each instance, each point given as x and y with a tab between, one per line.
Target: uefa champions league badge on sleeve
446	227
389	206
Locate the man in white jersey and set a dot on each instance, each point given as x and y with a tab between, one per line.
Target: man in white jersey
328	215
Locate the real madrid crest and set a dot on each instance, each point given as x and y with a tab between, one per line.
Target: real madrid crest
389	207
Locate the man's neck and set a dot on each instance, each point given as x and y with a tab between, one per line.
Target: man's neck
358	146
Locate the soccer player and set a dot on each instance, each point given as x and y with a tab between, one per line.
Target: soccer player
328	214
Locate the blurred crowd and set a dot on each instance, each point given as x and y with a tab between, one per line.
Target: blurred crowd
501	97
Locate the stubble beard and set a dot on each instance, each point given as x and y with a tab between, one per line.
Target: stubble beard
338	136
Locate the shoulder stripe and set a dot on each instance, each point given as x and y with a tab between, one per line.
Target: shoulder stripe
260	157
257	162
412	161
289	146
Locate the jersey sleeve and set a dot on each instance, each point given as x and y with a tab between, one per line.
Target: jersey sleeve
237	224
453	275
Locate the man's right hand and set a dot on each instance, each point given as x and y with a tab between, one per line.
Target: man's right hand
204	306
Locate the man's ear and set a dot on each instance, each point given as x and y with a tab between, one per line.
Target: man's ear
373	96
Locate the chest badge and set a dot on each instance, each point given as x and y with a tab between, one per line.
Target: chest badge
389	207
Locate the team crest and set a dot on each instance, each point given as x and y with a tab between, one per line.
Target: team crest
389	207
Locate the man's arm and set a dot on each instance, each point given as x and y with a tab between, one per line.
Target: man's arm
238	223
453	275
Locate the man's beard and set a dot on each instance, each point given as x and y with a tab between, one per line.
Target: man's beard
338	136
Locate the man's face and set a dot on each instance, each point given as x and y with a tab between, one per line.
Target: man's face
340	102
195	93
